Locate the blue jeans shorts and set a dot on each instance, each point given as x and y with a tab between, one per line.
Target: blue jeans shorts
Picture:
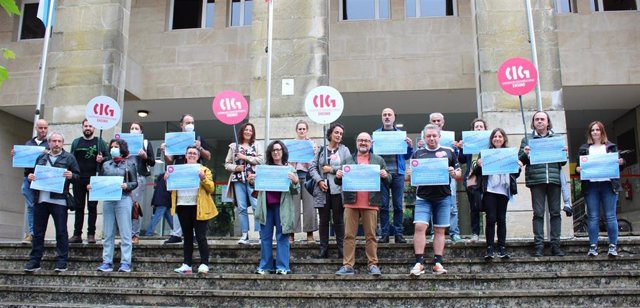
438	209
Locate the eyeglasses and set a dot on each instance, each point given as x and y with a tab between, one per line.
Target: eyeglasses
363	141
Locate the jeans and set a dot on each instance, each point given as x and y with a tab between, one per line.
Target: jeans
243	193
397	192
266	242
161	211
28	204
551	194
453	220
601	193
117	214
436	210
176	229
138	195
80	193
475	198
187	216
41	212
496	207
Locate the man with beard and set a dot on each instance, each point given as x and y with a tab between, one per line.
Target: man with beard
90	152
362	204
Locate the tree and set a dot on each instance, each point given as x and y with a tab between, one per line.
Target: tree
12	9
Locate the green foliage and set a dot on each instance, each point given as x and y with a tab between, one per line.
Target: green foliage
12	9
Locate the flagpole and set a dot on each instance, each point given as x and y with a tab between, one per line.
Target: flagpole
534	51
269	54
43	66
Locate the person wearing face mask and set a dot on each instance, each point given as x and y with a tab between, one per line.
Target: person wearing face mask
474	192
90	151
144	160
187	124
118	213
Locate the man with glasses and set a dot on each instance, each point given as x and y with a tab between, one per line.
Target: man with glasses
396	170
361	204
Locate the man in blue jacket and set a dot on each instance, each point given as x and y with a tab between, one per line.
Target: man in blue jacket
396	168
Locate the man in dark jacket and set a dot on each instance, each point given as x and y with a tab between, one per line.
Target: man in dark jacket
361	204
42	128
54	204
544	182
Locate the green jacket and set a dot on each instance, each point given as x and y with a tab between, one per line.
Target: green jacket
287	213
375	197
539	173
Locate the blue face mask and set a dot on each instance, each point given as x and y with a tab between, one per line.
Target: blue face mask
115	152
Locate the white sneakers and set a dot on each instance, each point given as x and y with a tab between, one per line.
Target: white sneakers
184	269
417	270
244	240
203	269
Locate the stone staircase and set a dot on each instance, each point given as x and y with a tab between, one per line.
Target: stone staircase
573	280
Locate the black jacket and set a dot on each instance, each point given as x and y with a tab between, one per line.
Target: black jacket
611	148
65	160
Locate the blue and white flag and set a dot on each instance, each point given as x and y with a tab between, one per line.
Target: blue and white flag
43	11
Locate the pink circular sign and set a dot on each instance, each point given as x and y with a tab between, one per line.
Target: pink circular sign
230	107
517	76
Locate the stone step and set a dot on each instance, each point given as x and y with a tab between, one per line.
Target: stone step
628	297
328	266
223	249
613	280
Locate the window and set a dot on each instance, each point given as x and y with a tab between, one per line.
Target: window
30	26
431	8
365	9
190	14
241	11
614	5
564	6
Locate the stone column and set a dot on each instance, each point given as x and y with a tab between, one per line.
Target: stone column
300	52
502	33
87	58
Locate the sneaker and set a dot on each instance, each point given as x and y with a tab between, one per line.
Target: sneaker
260	271
593	251
568	210
173	240
76	239
183	269
475	238
32	266
374	270
27	239
456	238
417	270
125	267
244	240
105	267
60	267
345	271
281	272
203	269
613	251
438	269
135	240
502	253
489	255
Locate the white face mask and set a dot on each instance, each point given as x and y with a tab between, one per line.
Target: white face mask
189	127
135	131
115	152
